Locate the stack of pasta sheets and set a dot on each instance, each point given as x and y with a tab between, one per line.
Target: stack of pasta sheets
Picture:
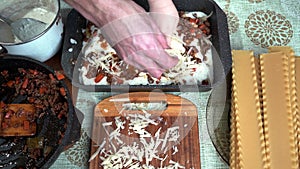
265	128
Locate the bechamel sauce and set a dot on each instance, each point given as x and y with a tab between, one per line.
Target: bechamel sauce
39	14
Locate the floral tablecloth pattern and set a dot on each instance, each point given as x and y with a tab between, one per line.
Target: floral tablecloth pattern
258	24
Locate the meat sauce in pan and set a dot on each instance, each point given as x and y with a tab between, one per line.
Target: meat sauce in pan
48	96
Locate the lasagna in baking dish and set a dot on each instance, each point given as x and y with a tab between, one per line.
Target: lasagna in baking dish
190	43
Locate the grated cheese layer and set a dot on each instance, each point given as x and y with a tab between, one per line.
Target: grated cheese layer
195	64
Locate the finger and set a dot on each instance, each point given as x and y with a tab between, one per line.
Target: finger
161	58
128	26
85	9
152	49
165	7
167	24
165	15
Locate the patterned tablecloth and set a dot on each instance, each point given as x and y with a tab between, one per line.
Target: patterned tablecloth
253	25
257	24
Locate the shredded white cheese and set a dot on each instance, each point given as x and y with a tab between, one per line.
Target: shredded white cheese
187	71
73	41
141	151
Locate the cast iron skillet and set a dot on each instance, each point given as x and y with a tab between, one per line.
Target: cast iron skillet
72	132
220	39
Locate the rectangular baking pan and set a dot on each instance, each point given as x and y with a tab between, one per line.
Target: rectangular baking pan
220	39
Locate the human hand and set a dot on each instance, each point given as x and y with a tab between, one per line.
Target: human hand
132	32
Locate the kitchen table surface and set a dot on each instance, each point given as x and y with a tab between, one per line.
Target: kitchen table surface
253	25
77	156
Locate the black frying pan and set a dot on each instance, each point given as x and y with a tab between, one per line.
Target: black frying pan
47	124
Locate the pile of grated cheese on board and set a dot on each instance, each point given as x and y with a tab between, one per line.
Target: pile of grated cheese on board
119	150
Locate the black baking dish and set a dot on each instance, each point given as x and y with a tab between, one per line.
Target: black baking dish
47	124
220	39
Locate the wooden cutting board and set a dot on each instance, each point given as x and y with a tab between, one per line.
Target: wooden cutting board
178	121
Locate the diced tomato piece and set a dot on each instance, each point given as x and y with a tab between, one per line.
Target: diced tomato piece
202	26
62	91
34	72
17	80
42	90
194	20
59	75
99	77
25	83
10	83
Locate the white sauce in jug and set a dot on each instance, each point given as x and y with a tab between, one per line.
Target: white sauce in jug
41	15
29	31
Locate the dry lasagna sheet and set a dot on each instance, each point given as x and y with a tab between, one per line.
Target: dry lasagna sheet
190	43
